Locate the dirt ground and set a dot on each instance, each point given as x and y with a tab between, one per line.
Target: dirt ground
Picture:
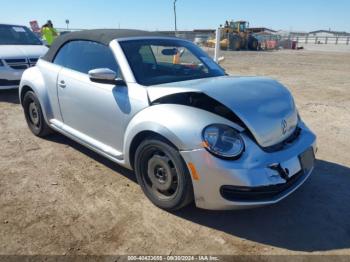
56	197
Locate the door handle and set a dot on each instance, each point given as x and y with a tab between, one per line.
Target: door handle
62	84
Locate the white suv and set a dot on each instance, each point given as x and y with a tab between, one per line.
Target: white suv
20	48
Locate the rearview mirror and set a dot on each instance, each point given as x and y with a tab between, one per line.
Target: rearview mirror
169	52
104	76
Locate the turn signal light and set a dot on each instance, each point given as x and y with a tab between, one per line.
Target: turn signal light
194	172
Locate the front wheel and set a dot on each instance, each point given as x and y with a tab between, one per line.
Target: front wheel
162	174
34	116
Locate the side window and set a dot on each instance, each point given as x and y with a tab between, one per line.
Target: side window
62	56
82	56
147	54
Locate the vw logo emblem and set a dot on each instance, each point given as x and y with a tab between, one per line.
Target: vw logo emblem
284	126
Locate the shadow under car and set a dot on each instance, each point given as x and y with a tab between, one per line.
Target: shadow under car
314	218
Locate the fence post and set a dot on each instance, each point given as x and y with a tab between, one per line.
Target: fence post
316	39
347	40
336	40
306	39
228	45
217	45
326	41
289	41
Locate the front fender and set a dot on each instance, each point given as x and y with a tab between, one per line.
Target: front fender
33	79
181	125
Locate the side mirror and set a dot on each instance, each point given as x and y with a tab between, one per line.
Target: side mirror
105	76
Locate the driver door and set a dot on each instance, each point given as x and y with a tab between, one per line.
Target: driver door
94	112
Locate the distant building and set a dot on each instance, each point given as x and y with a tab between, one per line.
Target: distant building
324	33
262	29
204	31
298	34
189	35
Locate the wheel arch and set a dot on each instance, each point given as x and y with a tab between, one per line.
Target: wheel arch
23	91
141	132
180	125
32	80
137	140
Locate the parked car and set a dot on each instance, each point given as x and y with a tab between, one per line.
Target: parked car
162	107
20	48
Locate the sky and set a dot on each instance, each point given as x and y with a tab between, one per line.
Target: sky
295	15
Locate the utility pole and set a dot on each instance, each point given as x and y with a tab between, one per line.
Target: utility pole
175	15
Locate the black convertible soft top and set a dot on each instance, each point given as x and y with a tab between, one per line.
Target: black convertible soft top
103	36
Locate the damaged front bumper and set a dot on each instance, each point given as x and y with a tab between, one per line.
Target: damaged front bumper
258	178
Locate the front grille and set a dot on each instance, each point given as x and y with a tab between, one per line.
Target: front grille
17	64
19	67
284	143
21	63
14	61
33	61
5	82
262	193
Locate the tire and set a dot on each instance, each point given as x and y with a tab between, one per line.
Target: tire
34	116
235	43
254	45
162	174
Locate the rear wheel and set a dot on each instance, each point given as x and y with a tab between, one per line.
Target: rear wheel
34	116
162	174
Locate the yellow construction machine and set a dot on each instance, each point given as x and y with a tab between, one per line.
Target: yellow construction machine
235	36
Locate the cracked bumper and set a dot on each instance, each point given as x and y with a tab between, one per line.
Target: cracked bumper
251	171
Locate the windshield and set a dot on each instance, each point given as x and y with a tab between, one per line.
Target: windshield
158	61
17	35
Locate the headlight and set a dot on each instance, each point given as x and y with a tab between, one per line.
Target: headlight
223	141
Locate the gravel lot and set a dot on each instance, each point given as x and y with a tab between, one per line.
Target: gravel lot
56	197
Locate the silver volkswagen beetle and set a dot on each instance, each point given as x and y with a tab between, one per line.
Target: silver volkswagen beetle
162	107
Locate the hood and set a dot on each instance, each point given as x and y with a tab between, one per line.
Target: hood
22	51
265	106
